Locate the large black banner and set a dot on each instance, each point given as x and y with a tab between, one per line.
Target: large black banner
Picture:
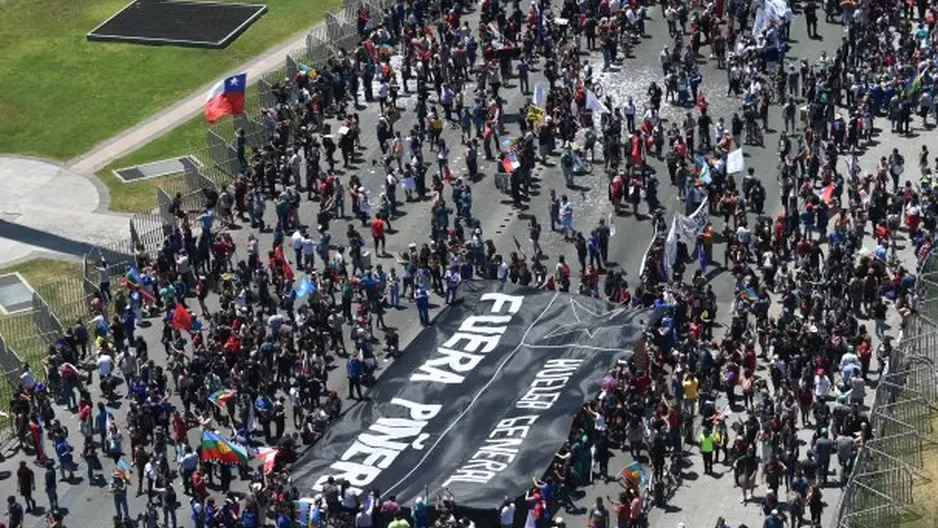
479	402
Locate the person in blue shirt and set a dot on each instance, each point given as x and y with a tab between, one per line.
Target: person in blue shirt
129	323
210	513
422	298
772	520
283	521
198	512
66	462
419	513
355	369
249	519
100	421
593	247
207	220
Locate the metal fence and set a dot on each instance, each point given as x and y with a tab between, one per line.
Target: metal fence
26	337
879	493
10	369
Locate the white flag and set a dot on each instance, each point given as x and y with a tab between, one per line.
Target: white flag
593	103
670	247
539	99
735	162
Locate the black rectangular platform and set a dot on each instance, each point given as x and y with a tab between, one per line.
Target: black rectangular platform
179	23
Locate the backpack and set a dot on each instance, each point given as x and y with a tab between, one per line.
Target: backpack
169	497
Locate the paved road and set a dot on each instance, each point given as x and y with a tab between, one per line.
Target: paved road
703	500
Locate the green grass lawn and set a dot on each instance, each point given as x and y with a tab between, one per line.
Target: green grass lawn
44	271
63	94
140	196
924	510
48	277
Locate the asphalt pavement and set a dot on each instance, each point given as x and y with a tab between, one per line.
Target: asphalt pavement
703	499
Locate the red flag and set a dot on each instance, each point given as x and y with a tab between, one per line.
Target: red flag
182	319
287	269
225	98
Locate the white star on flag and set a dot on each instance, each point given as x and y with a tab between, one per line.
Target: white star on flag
233	81
587	322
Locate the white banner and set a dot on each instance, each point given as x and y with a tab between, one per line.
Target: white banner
593	103
670	247
641	267
539	99
735	162
688	227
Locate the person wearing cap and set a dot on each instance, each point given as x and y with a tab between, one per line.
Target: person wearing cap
773	520
420	514
118	489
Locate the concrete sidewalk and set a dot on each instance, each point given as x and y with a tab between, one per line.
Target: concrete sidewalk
172	116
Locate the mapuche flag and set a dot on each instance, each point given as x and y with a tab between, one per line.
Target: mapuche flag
217	449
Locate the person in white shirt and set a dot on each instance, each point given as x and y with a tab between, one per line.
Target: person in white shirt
349	499
309	252
296	242
629	111
27	378
502	271
452	280
507	513
105	365
822	385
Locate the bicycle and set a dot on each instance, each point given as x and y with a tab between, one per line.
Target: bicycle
675	474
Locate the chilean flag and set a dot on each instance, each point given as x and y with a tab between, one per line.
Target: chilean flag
226	98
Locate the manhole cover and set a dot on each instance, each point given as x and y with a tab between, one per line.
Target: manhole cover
16	295
157	169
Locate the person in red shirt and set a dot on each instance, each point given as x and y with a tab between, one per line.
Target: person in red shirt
883	235
199	485
865	352
180	434
675	420
378	227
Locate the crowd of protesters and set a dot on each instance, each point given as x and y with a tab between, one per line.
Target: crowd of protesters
806	280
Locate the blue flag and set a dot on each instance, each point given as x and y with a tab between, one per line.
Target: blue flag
304	288
133	276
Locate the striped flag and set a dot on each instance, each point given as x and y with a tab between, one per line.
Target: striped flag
511	163
220	397
827	193
268	456
635	474
216	448
703	170
749	295
123	470
914	85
